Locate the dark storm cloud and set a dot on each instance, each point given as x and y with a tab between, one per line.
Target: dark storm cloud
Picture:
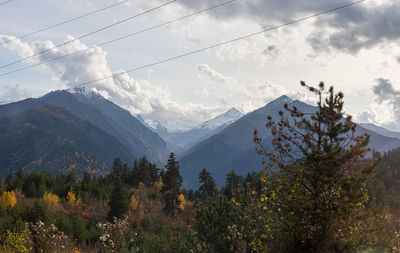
350	29
358	27
263	10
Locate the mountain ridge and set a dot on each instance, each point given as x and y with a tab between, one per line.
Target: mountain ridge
187	139
233	148
113	119
51	138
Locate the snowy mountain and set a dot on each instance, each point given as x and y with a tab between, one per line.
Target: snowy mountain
170	126
224	119
181	141
233	147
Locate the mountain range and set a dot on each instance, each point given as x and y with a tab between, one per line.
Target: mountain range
81	130
233	147
93	125
182	141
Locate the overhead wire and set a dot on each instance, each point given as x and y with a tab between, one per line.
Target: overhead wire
88	34
64	22
120	38
6	2
224	43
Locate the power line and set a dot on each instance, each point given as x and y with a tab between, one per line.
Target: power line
226	42
64	22
120	38
88	34
6	2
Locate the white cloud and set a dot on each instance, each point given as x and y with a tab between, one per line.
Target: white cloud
13	92
208	74
138	96
366	117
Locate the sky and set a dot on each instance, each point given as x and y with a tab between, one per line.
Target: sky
357	50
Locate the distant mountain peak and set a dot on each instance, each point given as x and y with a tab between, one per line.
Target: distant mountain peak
228	117
282	100
84	91
233	111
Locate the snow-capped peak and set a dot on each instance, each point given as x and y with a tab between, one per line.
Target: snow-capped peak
84	91
279	102
227	118
171	126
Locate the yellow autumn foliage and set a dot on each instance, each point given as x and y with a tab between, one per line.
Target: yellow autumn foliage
182	201
51	200
71	197
133	204
14	242
8	199
158	184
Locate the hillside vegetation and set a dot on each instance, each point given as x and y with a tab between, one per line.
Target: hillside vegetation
319	191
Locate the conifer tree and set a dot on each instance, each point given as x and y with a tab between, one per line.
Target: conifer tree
117	169
172	182
119	202
233	183
9	182
19	179
208	186
313	194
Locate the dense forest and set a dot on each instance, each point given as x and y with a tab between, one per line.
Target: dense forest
321	190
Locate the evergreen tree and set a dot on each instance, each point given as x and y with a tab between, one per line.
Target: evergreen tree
172	182
9	183
19	179
233	183
315	192
144	172
153	171
117	169
86	177
208	186
119	202
133	180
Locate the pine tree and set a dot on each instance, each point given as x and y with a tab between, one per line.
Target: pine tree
117	169
233	184
315	192
208	186
153	171
119	202
134	175
19	179
172	182
144	171
9	182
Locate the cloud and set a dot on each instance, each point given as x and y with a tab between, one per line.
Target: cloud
366	117
386	95
272	52
358	27
13	92
351	29
138	96
206	73
384	91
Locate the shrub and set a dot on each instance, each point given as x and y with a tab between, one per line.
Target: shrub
44	238
114	235
14	243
